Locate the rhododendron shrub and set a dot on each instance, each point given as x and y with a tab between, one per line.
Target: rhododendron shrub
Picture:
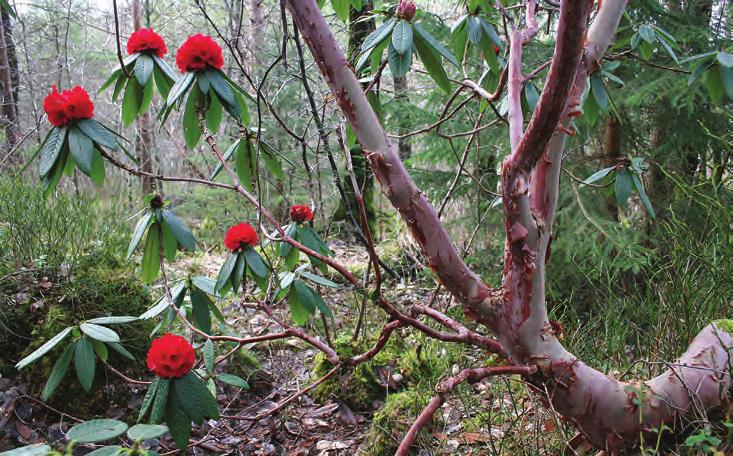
208	89
139	74
177	395
164	233
243	260
75	135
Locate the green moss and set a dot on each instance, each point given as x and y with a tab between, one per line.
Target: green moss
391	422
37	306
359	387
725	325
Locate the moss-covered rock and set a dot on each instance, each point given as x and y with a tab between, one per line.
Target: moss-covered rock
35	306
393	420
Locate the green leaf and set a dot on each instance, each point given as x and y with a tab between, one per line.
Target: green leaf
432	64
213	114
292	232
112	320
147	98
85	363
233	380
151	254
191	127
143	69
43	349
97	174
170	244
116	74
399	64
341	8
131	101
598	175
138	232
647	33
201	314
643	196
254	262
140	432
205	284
97	132
121	350
726	77
667	47
402	36
198	403
209	355
203	81
162	82
51	149
119	85
269	155
158	407
180	230
378	35
179	88
57	373
292	258
226	157
699	69
490	55
38	449
599	92
225	272
96	431
319	280
165	69
310	298
434	44
100	333
725	59
245	164
224	91
178	422
623	187
298	311
312	240
474	29
714	84
82	150
458	37
109	450
238	272
101	350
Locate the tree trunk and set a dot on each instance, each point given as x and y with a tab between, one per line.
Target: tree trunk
403	119
610	413
256	31
10	82
144	141
359	29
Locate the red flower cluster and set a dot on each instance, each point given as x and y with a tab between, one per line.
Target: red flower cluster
198	52
405	10
68	105
170	356
301	213
239	236
144	40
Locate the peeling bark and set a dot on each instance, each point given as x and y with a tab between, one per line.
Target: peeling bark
610	413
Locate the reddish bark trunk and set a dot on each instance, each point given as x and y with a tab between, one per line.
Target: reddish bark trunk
608	412
144	142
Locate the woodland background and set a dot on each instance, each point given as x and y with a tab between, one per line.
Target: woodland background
625	287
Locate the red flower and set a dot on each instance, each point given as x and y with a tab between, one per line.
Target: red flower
301	213
68	105
405	10
144	40
239	236
170	356
198	52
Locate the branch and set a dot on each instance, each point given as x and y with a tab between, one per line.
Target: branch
419	215
445	387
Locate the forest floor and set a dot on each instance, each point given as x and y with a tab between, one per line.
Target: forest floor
306	426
